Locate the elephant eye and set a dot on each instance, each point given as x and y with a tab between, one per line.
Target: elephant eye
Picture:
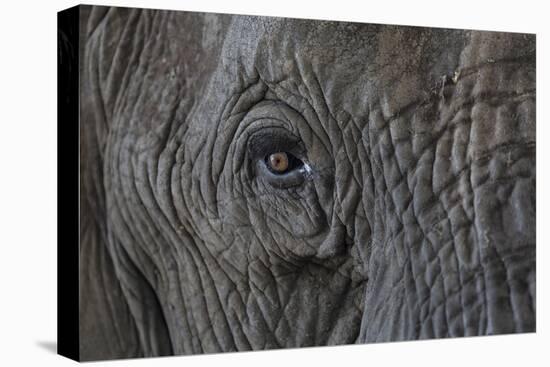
282	170
274	156
282	162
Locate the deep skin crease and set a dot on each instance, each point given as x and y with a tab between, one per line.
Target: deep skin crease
409	214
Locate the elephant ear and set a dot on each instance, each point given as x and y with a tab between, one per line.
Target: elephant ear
119	313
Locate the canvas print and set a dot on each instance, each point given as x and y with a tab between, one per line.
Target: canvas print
255	183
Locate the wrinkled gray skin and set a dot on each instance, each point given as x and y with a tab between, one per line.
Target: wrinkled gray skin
415	219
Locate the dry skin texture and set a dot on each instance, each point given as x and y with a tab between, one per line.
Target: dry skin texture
407	210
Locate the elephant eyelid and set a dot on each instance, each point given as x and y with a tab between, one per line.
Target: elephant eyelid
274	140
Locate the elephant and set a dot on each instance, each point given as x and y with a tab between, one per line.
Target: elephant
254	183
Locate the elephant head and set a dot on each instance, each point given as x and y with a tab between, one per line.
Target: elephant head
255	183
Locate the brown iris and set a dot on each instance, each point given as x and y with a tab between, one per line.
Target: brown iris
278	162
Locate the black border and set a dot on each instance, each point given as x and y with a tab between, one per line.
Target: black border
68	340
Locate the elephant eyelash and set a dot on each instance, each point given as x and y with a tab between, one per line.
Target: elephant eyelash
273	140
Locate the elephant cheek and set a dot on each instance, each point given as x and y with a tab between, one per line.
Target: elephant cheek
454	242
460	277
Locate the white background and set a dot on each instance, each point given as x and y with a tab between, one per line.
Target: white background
28	182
